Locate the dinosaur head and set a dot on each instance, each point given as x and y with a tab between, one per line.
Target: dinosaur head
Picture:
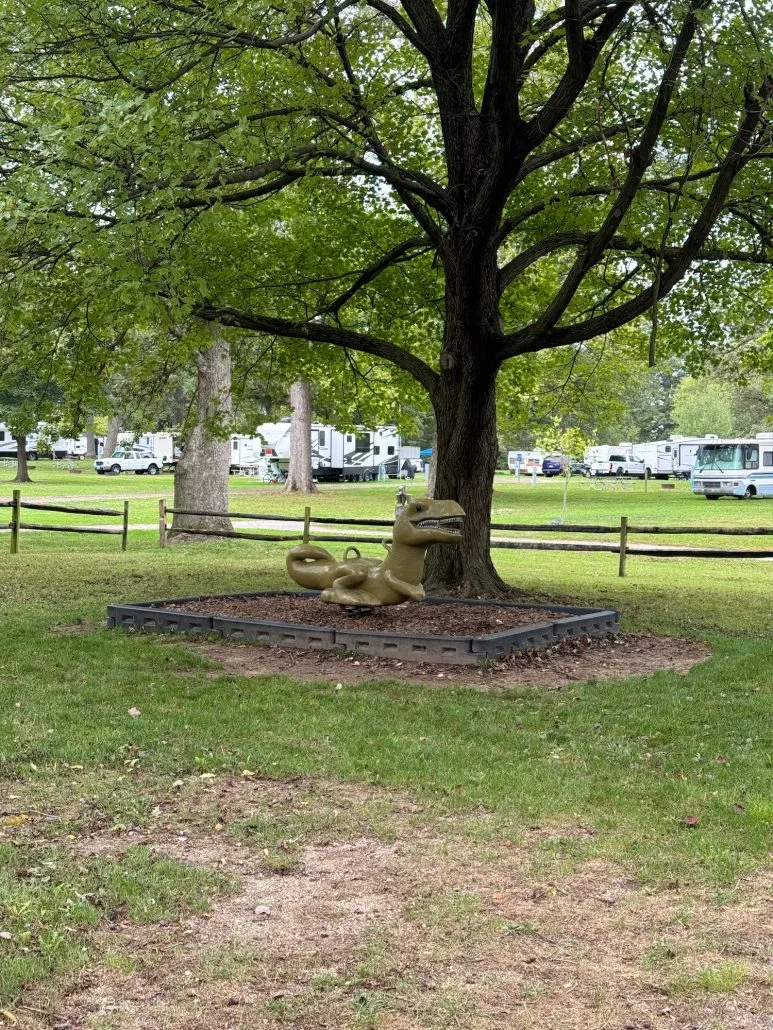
424	521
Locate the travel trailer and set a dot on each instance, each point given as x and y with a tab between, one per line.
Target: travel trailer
160	445
740	468
356	456
246	454
672	457
525	462
8	446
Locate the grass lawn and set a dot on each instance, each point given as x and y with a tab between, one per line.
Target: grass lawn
264	851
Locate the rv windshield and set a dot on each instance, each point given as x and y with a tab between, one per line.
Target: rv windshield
727	457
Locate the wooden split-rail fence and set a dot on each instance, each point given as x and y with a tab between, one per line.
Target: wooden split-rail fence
17	506
622	547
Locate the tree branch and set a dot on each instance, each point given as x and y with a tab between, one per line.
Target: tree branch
402	252
318	332
577	72
640	159
533	338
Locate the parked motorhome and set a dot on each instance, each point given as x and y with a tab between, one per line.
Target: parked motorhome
355	456
740	468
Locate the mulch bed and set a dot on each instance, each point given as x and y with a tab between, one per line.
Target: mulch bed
445	619
554	668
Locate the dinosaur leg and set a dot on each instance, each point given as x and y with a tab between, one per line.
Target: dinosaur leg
344	587
411	591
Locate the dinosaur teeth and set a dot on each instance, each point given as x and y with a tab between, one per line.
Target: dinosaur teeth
450	524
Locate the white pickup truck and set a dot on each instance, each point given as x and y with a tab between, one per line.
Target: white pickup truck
617	464
129	459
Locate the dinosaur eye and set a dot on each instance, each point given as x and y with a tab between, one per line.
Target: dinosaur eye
419	507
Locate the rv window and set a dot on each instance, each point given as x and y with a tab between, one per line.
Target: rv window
235	445
377	449
362	442
767	459
667	448
349	438
321	438
751	457
390	450
2	434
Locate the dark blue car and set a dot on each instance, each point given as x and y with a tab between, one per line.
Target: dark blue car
553	465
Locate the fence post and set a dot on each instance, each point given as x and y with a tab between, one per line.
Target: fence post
623	543
306	524
125	534
646	479
15	520
162	523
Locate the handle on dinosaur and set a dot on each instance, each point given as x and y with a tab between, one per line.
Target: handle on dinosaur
355	550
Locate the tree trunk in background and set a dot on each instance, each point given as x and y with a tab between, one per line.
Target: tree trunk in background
432	471
299	475
201	479
113	429
91	440
22	472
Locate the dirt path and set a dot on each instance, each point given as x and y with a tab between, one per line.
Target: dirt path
386	915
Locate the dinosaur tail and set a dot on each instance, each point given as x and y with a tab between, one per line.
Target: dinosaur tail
311	567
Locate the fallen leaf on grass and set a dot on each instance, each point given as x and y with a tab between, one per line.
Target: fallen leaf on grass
691	822
134	712
15	820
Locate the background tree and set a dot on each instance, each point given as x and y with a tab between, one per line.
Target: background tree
703	406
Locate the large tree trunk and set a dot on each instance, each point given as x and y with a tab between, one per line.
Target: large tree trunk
111	440
465	461
22	472
201	478
299	475
464	402
91	440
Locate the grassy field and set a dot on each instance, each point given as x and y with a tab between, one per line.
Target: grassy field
427	856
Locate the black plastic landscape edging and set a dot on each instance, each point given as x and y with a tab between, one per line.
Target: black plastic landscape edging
156	616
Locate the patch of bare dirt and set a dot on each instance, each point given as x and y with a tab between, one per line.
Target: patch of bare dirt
568	662
76	629
441	619
413	933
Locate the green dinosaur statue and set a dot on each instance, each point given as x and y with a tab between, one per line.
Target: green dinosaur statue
370	581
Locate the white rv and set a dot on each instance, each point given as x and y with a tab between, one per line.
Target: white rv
356	456
740	468
672	457
246	454
160	445
8	447
525	462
